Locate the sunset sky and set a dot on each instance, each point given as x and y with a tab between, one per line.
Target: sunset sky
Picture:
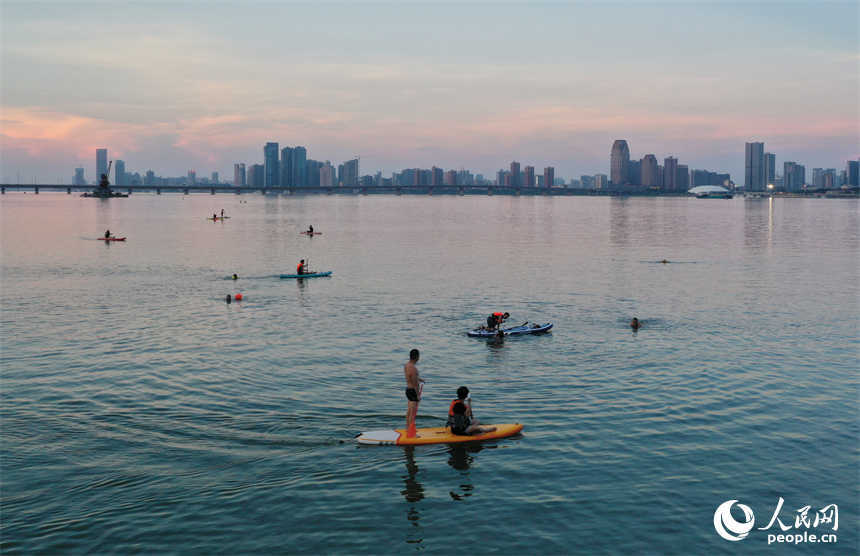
178	86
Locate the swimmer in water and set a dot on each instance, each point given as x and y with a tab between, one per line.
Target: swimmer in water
635	324
235	277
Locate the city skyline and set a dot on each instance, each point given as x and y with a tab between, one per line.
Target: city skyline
183	86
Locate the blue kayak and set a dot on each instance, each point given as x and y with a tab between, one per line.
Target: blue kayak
311	275
513	331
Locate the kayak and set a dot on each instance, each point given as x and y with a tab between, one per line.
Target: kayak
309	275
311	233
438	435
111	238
513	331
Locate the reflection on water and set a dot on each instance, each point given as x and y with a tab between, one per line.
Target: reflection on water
460	458
413	493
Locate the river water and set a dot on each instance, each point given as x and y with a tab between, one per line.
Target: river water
141	413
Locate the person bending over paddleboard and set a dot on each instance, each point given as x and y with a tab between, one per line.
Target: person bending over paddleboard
495	320
413	392
462	425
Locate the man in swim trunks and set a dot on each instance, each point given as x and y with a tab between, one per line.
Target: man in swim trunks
413	392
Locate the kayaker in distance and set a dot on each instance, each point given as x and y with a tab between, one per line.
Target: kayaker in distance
214	217
222	213
107	234
413	392
635	324
302	267
310	229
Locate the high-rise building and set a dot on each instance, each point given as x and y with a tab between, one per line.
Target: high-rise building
852	173
287	167
239	175
619	163
79	177
670	174
754	171
350	170
529	176
649	172
438	176
548	176
101	164
601	181
328	177
515	175
769	169
215	178
192	178
270	163
793	176
119	173
682	178
299	168
256	176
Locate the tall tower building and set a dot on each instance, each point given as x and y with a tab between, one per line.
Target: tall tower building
529	176
650	171
670	174
239	175
300	167
192	178
215	178
515	174
793	176
619	163
101	164
852	173
270	163
79	176
769	169
119	173
754	172
350	173
328	177
548	176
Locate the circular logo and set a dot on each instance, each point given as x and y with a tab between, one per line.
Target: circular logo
726	525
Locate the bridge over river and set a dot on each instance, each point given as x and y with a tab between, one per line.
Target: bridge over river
359	190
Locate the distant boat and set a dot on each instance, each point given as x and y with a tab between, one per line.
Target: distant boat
103	191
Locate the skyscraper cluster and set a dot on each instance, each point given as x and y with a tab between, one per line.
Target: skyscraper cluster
645	173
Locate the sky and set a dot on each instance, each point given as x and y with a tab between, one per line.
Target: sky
179	86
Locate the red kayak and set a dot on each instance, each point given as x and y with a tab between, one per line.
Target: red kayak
111	238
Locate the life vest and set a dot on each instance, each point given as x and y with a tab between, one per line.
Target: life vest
451	413
459	424
299	268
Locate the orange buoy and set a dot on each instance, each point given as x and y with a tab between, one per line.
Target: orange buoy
238	297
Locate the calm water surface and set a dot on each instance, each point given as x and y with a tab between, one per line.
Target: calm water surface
143	414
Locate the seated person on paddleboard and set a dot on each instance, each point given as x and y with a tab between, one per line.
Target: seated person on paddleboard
413	392
464	398
462	425
107	234
302	268
310	229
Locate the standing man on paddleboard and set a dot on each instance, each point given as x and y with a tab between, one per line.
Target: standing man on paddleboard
413	392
